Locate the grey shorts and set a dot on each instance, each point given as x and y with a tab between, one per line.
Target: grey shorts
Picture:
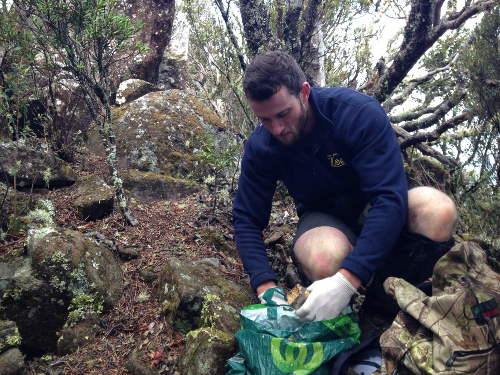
315	219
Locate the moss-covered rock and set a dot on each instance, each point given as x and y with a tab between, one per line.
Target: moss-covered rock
93	198
137	365
206	352
159	133
63	274
9	335
162	132
77	331
151	186
11	362
37	167
196	295
132	89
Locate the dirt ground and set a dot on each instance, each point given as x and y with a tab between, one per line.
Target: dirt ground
167	229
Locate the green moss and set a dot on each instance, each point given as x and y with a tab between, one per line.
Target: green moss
212	334
83	303
178	155
14	293
14	340
213	237
182	324
207	318
59	257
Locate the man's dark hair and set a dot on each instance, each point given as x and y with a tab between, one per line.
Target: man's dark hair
270	70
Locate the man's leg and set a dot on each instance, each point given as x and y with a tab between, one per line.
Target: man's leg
320	251
321	244
431	213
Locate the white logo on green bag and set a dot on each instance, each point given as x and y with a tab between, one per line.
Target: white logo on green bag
296	366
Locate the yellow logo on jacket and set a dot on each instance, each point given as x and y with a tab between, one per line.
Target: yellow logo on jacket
335	162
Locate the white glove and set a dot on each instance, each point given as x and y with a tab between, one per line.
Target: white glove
273	296
327	298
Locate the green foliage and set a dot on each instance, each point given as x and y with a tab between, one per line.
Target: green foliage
182	324
214	70
482	61
477	187
222	164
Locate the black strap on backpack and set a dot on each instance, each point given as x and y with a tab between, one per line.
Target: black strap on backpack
352	356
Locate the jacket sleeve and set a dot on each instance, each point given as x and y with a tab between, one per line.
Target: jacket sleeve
251	211
378	162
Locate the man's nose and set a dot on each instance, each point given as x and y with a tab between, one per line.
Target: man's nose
278	126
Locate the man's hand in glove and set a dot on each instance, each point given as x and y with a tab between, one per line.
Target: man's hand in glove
272	296
327	298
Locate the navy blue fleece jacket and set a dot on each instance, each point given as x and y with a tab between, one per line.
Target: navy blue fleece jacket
354	159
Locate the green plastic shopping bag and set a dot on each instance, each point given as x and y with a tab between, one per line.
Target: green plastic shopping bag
273	341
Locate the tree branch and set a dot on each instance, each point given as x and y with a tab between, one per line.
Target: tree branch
232	37
439	113
429	151
415	138
419	36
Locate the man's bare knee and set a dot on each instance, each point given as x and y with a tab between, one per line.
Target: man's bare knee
320	251
431	213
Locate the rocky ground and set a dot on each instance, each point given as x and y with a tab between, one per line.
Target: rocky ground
187	229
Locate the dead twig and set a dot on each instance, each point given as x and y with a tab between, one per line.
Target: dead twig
11	243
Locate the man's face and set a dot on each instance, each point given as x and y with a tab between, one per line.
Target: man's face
284	115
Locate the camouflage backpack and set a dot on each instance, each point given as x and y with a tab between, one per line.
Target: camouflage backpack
457	330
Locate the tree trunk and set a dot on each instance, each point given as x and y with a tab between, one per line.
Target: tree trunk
315	65
257	27
108	140
173	70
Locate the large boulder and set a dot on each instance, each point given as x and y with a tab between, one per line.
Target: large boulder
38	165
197	294
62	276
161	133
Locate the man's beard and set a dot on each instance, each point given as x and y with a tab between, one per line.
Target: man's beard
302	123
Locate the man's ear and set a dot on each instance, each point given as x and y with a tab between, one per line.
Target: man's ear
305	90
